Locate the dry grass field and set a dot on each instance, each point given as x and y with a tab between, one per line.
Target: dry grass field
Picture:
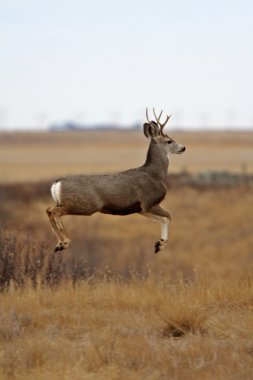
37	156
108	307
143	329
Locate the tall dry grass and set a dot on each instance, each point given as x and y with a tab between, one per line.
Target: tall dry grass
151	328
108	308
211	229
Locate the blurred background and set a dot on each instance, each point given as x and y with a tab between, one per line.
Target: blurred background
75	79
102	62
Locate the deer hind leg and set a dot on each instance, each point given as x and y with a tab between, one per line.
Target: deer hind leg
54	214
163	216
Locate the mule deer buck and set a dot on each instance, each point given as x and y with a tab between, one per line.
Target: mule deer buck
138	190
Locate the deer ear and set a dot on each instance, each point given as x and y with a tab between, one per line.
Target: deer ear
151	130
146	129
154	129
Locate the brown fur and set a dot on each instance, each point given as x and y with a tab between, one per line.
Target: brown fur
138	190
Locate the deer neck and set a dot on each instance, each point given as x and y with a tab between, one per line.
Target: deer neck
157	160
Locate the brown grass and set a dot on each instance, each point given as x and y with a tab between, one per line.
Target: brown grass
39	156
108	308
143	329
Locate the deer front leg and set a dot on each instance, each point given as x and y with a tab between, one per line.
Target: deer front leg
163	216
54	214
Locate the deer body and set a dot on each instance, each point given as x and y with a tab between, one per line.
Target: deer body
138	190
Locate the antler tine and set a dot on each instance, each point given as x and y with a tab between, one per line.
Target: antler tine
166	121
147	115
157	118
162	125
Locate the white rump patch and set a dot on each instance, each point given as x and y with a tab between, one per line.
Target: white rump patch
56	192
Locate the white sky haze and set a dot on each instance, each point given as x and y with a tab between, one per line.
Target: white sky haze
102	61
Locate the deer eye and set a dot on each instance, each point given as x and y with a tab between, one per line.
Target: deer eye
169	142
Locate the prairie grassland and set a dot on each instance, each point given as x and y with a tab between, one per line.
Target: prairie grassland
108	308
143	329
38	156
211	228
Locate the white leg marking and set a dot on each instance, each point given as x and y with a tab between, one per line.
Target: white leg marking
164	228
164	223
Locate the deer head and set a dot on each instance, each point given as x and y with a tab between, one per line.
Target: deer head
154	130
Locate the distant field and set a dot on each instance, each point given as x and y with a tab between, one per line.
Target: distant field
108	307
37	156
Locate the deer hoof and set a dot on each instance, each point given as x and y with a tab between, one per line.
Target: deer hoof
160	244
61	245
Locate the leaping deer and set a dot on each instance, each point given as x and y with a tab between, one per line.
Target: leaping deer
138	190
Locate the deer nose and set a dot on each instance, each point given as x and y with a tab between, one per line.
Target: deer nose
182	149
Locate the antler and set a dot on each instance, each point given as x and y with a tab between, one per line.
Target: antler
162	125
147	115
157	118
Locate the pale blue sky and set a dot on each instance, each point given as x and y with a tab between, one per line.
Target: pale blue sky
106	60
